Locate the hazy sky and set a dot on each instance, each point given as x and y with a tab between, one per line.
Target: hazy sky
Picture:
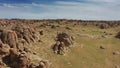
54	9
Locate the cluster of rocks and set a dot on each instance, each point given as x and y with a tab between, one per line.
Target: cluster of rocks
62	43
12	47
19	59
27	33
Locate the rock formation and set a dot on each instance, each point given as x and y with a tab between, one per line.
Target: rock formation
4	49
26	33
9	37
63	41
12	47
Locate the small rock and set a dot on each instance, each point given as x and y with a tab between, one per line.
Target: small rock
102	47
103	36
116	66
41	32
34	53
116	53
27	50
40	40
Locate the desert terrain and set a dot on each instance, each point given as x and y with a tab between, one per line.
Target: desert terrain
59	43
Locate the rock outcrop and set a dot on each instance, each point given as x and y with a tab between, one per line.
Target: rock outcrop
12	47
9	37
63	41
27	33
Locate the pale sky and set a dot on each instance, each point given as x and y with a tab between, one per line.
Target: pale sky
59	9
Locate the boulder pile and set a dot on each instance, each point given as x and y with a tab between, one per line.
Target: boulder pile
62	43
27	33
13	51
9	37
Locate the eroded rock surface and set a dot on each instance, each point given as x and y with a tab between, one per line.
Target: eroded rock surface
12	47
63	41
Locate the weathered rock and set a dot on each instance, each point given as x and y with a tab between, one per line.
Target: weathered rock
64	37
20	46
9	37
27	50
13	51
23	61
116	53
43	64
17	59
13	55
63	41
55	47
4	49
61	48
27	33
34	65
102	47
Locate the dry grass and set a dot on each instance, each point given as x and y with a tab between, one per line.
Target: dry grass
90	56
